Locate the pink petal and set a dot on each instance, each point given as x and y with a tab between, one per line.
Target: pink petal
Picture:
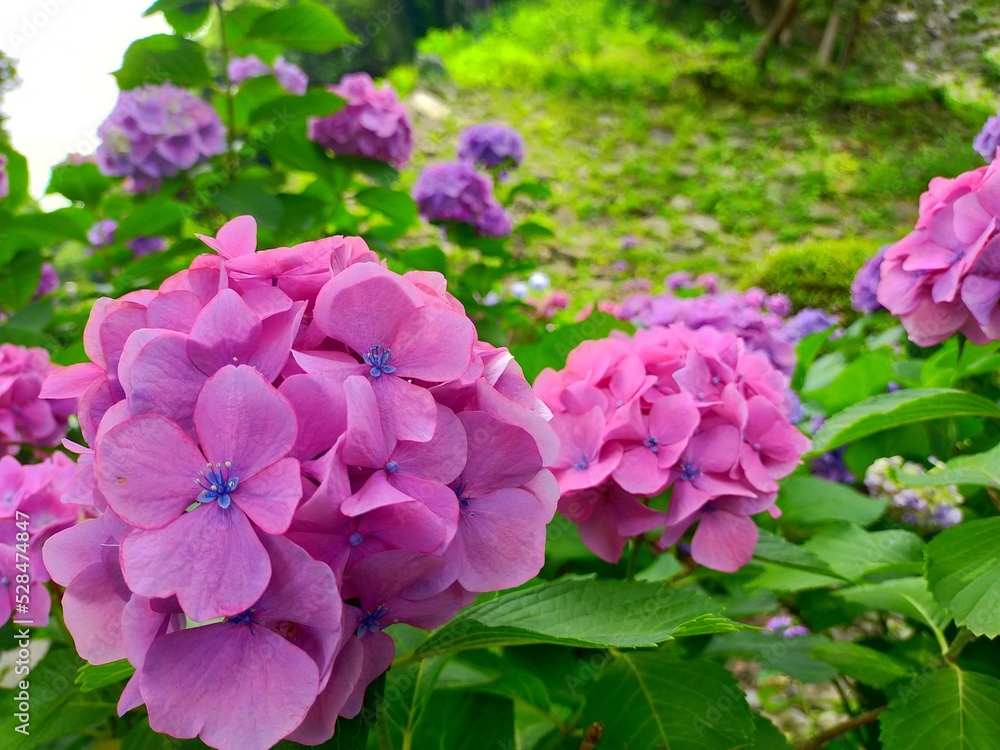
407	411
72	381
225	333
724	541
210	558
93	605
146	467
441	458
433	344
269	497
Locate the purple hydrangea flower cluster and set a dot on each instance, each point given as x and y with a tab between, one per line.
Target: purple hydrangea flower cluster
491	147
988	139
4	177
455	191
102	234
48	282
755	316
291	77
26	419
155	132
373	123
783	625
928	508
864	288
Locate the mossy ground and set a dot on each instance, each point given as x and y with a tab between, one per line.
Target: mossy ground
678	141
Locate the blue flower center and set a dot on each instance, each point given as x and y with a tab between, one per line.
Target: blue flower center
4	581
391	467
355	539
582	464
246	617
689	472
460	488
378	359
652	443
369	621
217	484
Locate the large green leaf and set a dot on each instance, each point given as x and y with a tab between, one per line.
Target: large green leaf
553	348
280	111
852	552
963	569
91	677
789	654
776	549
889	410
156	217
650	699
808	501
483	671
981	469
78	182
163	58
907	596
397	205
866	665
949	710
580	612
184	16
306	25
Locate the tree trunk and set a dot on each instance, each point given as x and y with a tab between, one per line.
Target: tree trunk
852	35
825	52
778	24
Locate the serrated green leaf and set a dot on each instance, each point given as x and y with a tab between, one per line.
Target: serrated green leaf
184	16
889	410
809	501
306	26
963	570
78	182
776	549
851	552
281	110
154	218
582	612
163	58
866	665
907	596
397	205
949	710
483	671
980	469
651	699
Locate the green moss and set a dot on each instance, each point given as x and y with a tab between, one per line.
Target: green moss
814	274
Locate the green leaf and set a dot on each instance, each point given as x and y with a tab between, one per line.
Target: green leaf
487	672
244	197
866	665
62	224
907	596
786	579
397	205
773	548
949	710
425	259
851	552
58	708
532	229
553	348
583	612
91	677
652	699
889	410
156	217
278	112
465	721
163	58
19	280
664	567
184	16
865	376
791	655
808	501
79	182
981	469
963	570
767	736
306	26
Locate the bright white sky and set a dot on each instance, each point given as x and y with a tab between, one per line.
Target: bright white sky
65	52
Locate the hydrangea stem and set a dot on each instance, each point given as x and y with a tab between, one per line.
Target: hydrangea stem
820	740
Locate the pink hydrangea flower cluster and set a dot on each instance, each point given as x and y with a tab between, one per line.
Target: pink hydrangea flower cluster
156	131
305	448
695	412
373	123
36	501
944	276
26	419
455	191
760	319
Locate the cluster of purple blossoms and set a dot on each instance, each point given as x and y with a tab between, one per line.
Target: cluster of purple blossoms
491	147
373	123
4	177
864	288
36	501
988	139
155	132
48	281
758	318
455	191
26	419
784	626
696	412
291	77
305	448
928	508
102	234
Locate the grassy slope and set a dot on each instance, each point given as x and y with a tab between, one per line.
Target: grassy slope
675	139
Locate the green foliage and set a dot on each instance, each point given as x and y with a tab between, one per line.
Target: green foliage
822	272
963	569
